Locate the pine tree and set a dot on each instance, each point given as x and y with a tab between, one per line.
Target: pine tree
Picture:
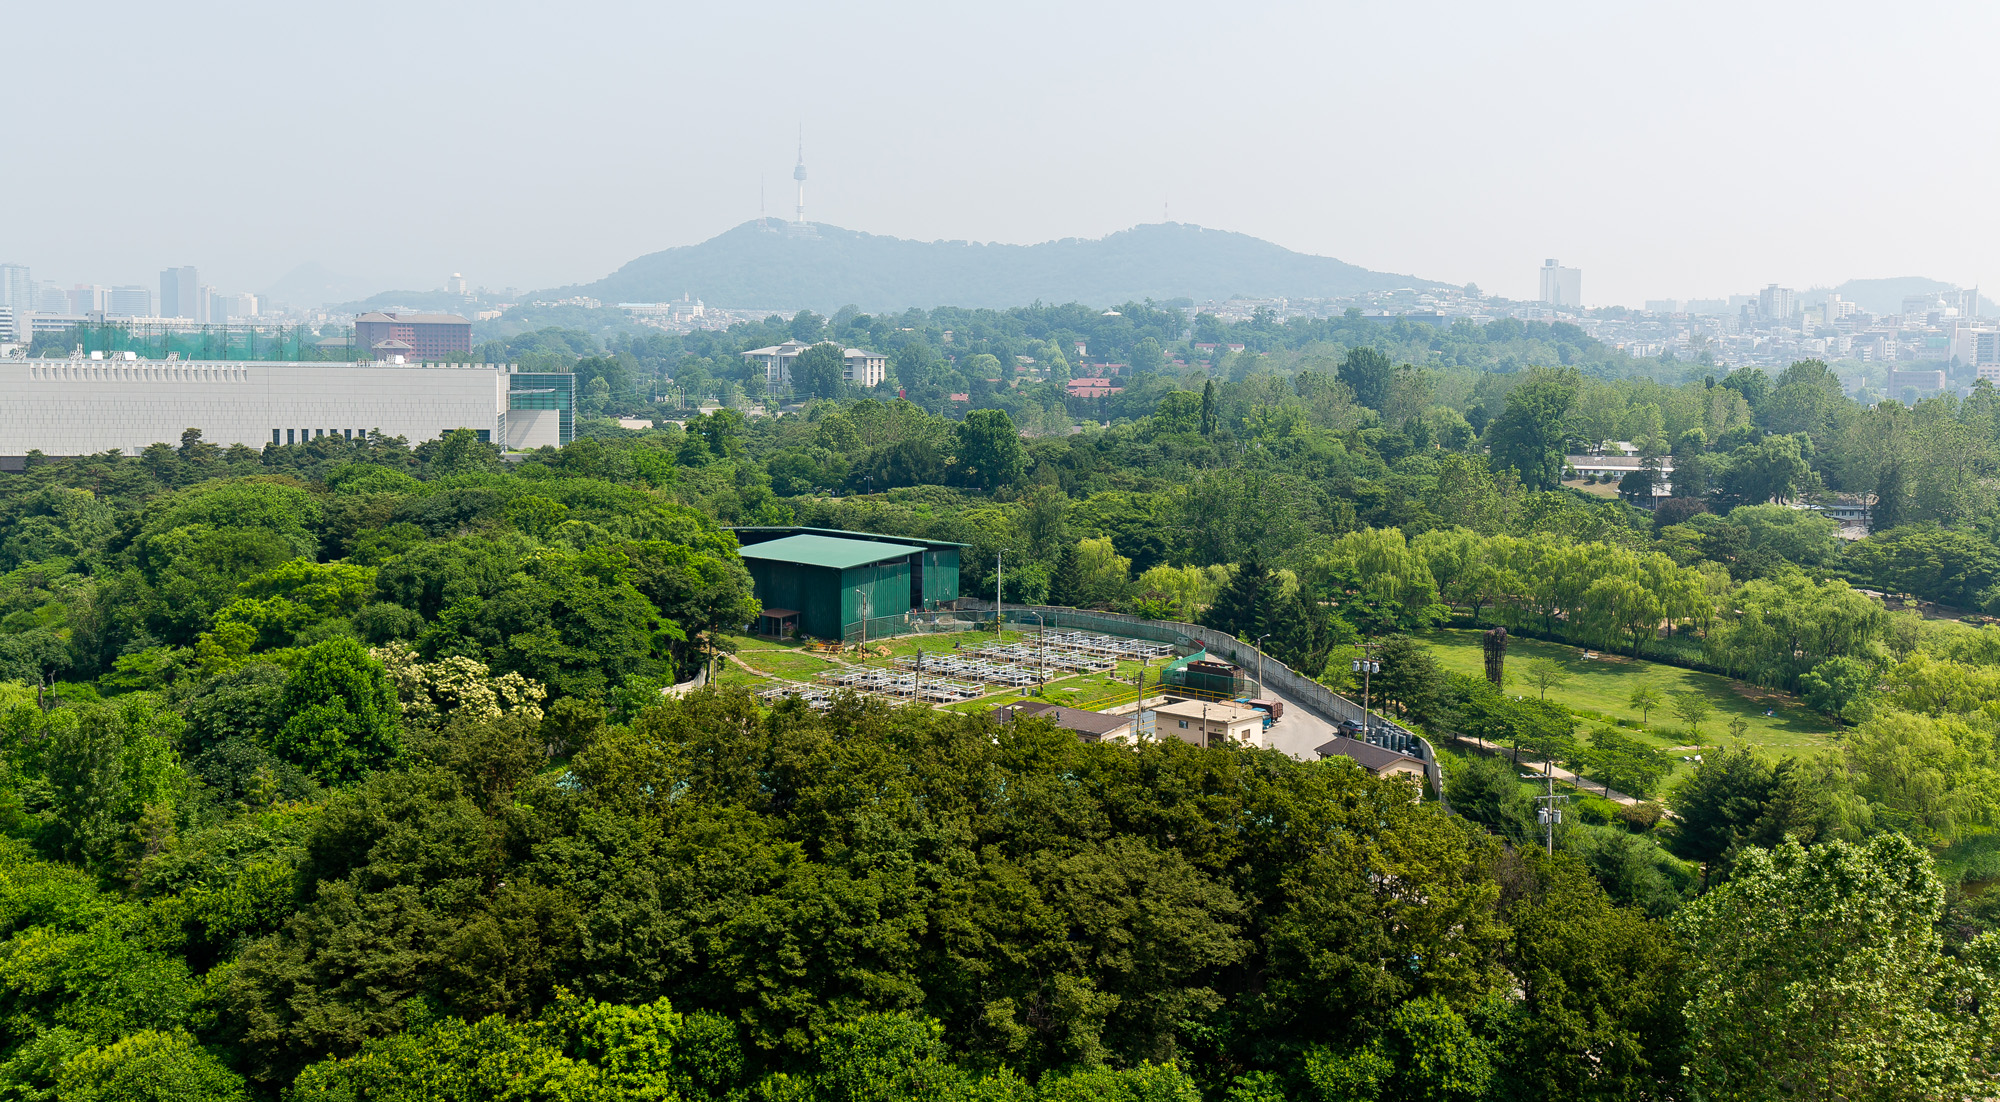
1066	588
1248	606
1887	511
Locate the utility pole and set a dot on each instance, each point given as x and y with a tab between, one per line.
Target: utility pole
1550	813
999	564
1260	660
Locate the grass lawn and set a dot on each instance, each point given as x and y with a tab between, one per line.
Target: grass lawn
1604	685
1093	691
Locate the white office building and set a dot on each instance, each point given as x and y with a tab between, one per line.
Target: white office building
860	368
87	406
1562	286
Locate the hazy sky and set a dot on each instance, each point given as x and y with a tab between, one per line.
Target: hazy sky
1668	149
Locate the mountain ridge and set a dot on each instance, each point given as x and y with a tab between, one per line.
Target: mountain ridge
761	264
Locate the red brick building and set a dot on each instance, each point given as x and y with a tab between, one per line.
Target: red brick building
418	338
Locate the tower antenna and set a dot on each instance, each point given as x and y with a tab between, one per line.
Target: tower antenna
799	174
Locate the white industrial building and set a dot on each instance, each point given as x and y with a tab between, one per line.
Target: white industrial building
87	406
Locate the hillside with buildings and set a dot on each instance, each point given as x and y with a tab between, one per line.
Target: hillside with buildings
770	263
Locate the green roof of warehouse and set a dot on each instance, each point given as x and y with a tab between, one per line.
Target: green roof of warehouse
828	551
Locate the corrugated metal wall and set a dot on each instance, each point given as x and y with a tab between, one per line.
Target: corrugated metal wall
940	576
887	585
813	590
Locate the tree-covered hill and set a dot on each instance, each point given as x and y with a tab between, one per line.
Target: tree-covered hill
753	266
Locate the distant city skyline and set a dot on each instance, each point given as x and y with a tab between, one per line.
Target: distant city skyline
556	145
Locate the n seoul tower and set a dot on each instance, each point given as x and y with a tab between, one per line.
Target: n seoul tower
799	174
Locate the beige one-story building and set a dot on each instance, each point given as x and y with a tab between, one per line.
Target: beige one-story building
1209	723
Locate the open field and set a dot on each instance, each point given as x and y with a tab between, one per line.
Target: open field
1604	685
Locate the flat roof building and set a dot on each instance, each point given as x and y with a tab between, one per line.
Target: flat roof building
1562	286
418	337
87	406
1209	723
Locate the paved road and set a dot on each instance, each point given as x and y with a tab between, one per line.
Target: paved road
1299	731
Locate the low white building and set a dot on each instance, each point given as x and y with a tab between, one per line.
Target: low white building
87	406
861	368
1209	723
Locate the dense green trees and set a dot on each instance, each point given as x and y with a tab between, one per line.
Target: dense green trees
341	718
868	903
989	450
1837	987
1531	435
339	769
816	372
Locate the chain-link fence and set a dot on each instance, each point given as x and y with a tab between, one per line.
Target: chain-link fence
878	627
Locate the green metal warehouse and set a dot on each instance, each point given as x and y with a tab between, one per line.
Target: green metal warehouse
820	582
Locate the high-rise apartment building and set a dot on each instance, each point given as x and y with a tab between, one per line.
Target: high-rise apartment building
50	297
180	293
1774	303
1562	286
131	302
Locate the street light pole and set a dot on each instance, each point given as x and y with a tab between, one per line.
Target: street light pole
1260	661
1367	667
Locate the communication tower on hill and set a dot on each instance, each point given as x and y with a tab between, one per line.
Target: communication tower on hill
800	226
799	174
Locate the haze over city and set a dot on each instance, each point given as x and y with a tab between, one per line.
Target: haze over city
1683	151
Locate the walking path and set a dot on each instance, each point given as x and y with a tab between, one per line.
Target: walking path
1561	774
